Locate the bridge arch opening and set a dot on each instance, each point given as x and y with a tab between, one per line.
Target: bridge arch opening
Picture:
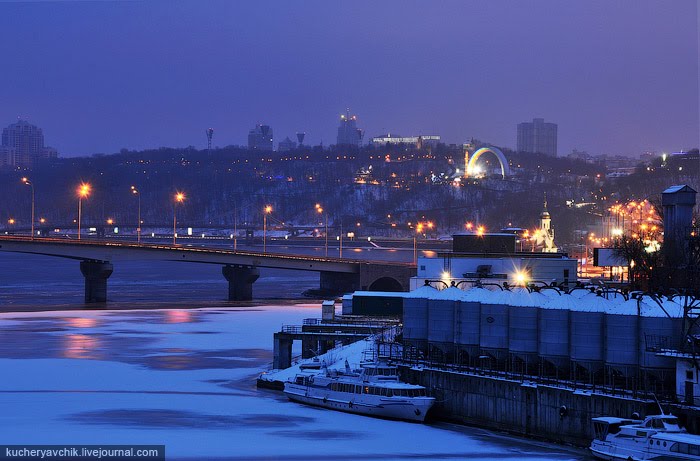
385	284
471	166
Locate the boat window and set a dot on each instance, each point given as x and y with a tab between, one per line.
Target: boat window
657	424
389	393
366	390
693	450
664	443
675	448
383	392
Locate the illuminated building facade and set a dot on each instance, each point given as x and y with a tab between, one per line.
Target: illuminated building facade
493	258
537	137
415	141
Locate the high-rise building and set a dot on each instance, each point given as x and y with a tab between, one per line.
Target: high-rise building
7	156
348	132
260	138
23	145
537	137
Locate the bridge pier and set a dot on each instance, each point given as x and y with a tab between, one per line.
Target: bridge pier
96	274
240	281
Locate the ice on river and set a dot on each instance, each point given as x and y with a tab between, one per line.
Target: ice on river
186	379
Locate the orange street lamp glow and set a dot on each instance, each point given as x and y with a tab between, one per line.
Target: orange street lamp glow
135	191
268	210
179	198
27	182
83	191
11	221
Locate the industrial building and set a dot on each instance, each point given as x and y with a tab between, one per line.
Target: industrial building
493	257
582	335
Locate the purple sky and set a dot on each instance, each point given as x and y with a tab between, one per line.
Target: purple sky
617	76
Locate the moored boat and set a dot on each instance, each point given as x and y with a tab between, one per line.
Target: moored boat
657	437
373	390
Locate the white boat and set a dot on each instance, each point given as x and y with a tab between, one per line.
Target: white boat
374	390
658	437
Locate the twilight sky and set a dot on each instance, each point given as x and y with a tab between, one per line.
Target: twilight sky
617	76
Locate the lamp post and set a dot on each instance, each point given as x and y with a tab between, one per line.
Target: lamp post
319	208
83	192
340	248
30	184
266	211
179	198
135	191
419	230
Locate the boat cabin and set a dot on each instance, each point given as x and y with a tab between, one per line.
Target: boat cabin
609	425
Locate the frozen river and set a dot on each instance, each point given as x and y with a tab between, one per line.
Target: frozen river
183	377
186	379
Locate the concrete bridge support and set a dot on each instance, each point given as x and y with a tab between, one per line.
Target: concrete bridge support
96	274
240	281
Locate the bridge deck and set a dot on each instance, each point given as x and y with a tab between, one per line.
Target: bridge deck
115	251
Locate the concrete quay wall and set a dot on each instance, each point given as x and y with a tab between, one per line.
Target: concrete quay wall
539	411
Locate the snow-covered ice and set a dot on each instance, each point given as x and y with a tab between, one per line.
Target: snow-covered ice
186	379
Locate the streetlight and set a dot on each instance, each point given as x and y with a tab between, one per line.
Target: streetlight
319	208
179	198
83	192
135	191
266	211
26	181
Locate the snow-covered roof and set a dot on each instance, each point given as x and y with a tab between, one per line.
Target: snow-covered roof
424	291
448	294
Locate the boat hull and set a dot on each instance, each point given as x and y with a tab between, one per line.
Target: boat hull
414	409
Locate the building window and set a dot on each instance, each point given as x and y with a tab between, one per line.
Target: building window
689	375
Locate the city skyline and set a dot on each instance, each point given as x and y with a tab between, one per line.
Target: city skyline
617	79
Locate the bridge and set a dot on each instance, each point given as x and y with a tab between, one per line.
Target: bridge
240	268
